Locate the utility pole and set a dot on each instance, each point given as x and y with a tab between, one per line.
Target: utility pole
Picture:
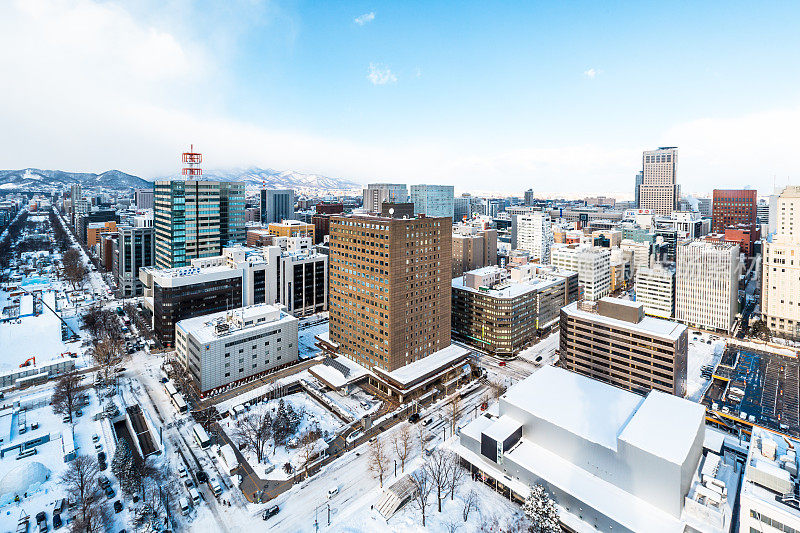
329	514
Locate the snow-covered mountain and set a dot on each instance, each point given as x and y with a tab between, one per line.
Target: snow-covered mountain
255	177
34	179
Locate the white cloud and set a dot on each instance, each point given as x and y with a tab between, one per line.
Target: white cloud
592	73
366	18
380	74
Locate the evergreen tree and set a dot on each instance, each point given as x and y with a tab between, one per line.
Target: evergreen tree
542	511
124	468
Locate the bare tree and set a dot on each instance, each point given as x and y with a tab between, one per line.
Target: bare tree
438	473
308	448
74	270
108	353
378	459
455	474
80	482
402	445
253	431
67	395
92	320
453	408
451	526
422	490
470	503
498	388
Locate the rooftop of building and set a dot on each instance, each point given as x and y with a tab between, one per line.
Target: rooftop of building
290	222
770	473
407	375
208	328
656	327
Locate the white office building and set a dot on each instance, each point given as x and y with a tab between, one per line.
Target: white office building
433	200
611	459
655	290
639	253
535	234
769	501
232	346
593	265
377	193
707	284
780	293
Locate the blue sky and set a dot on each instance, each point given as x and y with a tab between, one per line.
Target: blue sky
489	96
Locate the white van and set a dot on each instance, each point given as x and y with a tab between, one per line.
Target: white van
216	488
184	505
195	496
333	492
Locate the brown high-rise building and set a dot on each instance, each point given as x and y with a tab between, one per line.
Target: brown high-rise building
389	288
732	207
659	190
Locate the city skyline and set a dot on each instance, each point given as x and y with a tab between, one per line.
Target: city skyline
535	96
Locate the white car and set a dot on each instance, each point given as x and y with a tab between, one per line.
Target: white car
333	492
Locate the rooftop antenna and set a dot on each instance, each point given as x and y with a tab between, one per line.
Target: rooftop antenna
192	159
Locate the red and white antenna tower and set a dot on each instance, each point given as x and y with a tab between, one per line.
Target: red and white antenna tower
192	159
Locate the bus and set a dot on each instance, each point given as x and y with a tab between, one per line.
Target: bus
178	403
201	436
169	386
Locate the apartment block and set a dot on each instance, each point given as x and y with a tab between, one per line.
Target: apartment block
473	247
733	208
227	347
592	264
433	200
655	290
707	285
390	288
659	190
534	233
613	341
780	291
377	193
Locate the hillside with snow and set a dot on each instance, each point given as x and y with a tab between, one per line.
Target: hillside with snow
34	179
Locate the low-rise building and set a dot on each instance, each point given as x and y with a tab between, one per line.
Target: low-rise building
291	228
232	346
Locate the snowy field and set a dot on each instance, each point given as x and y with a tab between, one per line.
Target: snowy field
701	353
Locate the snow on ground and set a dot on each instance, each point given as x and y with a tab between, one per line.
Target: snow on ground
245	397
313	415
310	327
701	353
357	404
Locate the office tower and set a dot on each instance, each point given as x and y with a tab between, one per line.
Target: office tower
704	206
276	205
780	293
592	264
390	288
95	229
733	208
500	316
535	234
773	211
659	190
637	190
433	200
377	193
186	216
291	228
495	205
133	249
74	196
473	247
143	198
303	277
655	290
529	197
230	346
231	213
627	349
707	284
613	461
762	211
86	219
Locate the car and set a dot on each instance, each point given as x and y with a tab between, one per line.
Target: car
57	521
414	418
41	521
428	422
202	477
188	482
333	492
182	471
269	513
67	419
95	438
102	466
117	506
103	481
101	457
502	363
110	492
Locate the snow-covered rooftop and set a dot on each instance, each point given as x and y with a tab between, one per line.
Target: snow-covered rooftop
654	326
421	368
502	428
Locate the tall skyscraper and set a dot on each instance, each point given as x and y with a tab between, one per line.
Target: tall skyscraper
659	190
143	198
637	190
276	205
732	207
433	200
133	249
535	234
707	284
390	288
529	197
780	293
195	218
377	193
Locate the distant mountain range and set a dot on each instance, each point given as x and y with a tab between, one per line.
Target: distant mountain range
256	177
34	179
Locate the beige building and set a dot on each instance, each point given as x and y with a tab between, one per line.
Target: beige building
473	248
613	341
390	288
291	228
780	294
659	191
592	265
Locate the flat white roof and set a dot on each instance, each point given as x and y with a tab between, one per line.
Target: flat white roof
334	377
416	370
502	428
590	409
203	328
666	329
665	426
